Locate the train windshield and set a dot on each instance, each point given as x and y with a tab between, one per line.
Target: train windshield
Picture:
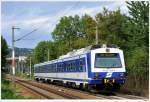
107	60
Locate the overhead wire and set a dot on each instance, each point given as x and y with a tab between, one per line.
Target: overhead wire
26	35
67	12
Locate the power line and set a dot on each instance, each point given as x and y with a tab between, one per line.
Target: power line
67	12
44	23
28	39
26	35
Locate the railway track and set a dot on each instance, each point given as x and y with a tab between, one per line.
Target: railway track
111	95
50	91
43	93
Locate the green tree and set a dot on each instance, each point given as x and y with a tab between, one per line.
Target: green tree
42	50
88	28
72	30
139	21
110	27
137	30
4	52
66	30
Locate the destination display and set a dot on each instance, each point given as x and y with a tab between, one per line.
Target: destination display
106	54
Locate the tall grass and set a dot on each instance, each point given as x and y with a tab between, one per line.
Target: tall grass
7	91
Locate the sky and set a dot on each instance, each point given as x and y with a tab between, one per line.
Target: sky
44	16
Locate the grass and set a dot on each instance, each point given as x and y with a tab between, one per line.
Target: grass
24	76
7	91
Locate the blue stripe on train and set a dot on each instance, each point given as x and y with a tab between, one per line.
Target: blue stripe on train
98	81
105	75
73	79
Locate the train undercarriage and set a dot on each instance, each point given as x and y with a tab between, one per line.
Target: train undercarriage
105	86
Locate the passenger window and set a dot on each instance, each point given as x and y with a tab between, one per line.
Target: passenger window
67	66
49	66
80	63
60	68
74	66
57	67
70	66
63	67
54	68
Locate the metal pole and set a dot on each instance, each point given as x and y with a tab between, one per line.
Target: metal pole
22	66
96	37
48	54
13	52
30	67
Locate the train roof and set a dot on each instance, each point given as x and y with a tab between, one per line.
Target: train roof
81	51
86	50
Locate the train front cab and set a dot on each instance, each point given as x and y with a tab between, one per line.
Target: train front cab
107	68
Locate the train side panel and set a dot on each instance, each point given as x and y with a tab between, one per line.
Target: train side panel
77	77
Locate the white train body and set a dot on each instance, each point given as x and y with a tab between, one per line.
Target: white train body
92	66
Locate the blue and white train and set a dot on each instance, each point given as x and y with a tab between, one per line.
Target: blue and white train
98	66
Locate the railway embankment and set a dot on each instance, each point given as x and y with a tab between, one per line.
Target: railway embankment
40	90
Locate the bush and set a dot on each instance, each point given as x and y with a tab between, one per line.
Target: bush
137	67
7	92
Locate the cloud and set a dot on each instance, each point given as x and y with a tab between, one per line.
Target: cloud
32	18
28	19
